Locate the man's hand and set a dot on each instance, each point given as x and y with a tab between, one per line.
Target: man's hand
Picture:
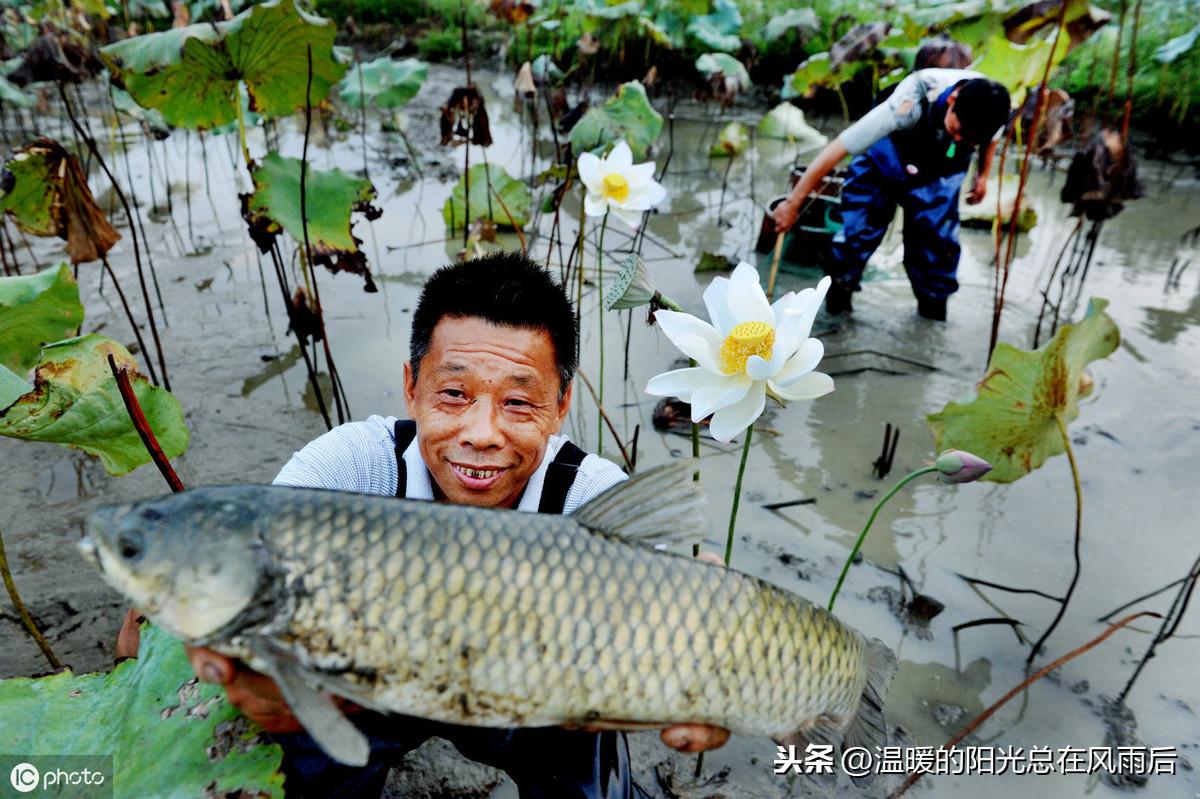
978	190
256	695
784	215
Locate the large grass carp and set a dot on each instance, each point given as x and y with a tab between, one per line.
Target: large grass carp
490	617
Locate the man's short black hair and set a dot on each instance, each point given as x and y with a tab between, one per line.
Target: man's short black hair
983	107
504	288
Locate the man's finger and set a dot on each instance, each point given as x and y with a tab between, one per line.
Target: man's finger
694	737
211	667
711	557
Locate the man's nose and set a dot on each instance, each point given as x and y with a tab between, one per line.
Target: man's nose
480	429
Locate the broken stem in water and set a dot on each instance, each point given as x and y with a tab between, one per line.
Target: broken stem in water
908	478
600	315
26	619
987	714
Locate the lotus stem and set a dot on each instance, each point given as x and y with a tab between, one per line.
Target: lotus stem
737	495
22	612
600	374
142	426
1062	609
908	478
241	120
695	437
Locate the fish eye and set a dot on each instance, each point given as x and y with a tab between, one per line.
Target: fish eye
152	515
130	545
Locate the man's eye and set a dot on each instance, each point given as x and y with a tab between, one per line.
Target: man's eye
517	403
452	394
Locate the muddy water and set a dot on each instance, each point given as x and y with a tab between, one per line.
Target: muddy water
243	386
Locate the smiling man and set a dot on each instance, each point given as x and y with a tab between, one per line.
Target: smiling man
487	386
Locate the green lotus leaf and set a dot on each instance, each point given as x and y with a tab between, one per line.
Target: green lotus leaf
733	140
710	64
804	19
330	196
10	93
603	10
1081	19
36	310
786	121
49	196
190	73
513	196
169	735
75	401
12	387
1174	48
383	82
152	117
1012	423
815	72
626	115
718	30
1020	66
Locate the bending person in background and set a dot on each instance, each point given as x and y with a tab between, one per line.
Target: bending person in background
911	150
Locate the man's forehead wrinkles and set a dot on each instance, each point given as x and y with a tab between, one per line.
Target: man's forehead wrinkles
473	350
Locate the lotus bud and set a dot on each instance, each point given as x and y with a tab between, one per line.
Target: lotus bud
956	466
633	287
524	83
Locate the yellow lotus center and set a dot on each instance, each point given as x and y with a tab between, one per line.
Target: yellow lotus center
748	338
616	187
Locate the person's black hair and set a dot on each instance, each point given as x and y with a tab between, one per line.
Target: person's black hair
504	288
983	107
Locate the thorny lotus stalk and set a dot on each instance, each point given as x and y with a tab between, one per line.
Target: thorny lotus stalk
866	529
737	490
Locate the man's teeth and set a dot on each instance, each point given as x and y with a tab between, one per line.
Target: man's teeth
478	474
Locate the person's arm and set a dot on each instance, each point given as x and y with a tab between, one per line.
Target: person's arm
786	212
979	187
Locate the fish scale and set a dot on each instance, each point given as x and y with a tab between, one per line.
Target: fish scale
486	617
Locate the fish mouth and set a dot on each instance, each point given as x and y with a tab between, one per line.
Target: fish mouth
87	548
478	478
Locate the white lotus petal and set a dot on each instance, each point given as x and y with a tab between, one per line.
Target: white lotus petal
747	300
630	216
804	361
621	157
813	298
693	337
781	305
594	204
716	300
728	391
807	387
733	419
639	174
761	369
645	197
589	172
681	383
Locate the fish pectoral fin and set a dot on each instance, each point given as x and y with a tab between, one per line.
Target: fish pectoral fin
619	725
322	719
821	731
664	503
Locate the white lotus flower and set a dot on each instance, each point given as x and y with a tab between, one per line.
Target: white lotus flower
616	184
750	348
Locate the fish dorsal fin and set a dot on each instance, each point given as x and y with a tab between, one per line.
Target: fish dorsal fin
322	719
663	503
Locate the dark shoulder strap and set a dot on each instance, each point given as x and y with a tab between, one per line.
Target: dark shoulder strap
560	476
406	431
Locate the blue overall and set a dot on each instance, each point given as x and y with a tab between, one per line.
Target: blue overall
880	179
544	762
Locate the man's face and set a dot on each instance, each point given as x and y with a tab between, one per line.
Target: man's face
485	402
952	123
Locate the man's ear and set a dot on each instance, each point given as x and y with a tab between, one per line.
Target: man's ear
564	405
410	389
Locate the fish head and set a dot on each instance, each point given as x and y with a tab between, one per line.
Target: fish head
192	562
